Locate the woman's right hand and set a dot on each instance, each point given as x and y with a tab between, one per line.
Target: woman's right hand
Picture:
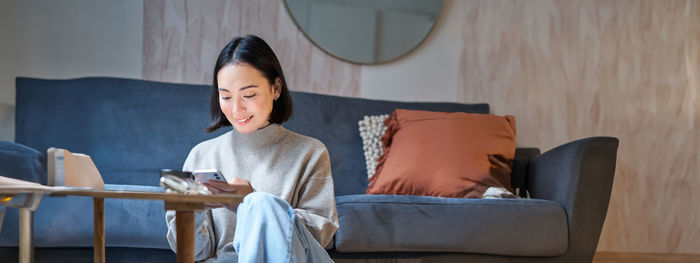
236	186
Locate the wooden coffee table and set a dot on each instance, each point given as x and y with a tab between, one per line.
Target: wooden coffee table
27	201
184	206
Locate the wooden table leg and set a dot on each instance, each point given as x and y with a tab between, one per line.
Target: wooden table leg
184	227
99	229
26	235
184	221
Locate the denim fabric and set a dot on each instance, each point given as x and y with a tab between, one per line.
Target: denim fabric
267	230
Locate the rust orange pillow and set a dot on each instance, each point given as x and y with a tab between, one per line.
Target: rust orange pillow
444	154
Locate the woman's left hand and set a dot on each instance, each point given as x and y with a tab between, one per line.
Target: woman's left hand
236	186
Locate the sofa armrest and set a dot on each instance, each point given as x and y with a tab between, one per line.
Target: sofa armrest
22	162
578	175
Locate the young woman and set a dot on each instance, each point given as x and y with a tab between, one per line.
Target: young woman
288	213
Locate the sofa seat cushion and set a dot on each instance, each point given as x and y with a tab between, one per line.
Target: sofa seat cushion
513	227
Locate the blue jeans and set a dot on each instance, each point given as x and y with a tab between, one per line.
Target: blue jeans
267	230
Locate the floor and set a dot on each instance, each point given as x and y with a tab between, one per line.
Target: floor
75	255
617	257
600	257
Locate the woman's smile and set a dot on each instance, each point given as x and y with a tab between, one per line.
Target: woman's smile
243	121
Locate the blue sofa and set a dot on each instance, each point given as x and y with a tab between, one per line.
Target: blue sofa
134	128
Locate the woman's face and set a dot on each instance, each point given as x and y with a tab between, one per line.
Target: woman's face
246	97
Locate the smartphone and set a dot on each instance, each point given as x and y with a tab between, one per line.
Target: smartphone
206	175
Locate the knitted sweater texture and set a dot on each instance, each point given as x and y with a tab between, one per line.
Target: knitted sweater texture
275	160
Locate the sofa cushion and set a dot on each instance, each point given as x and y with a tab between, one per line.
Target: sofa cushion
513	227
444	154
21	162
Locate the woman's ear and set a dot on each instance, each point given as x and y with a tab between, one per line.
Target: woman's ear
277	88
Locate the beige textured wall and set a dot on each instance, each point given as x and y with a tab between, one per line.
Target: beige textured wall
629	69
565	69
181	41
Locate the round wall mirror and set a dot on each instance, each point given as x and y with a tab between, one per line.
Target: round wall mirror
365	31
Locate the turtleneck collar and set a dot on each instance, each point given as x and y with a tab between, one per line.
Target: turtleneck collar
260	139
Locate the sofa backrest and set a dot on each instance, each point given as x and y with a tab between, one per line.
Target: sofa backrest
130	128
134	128
333	120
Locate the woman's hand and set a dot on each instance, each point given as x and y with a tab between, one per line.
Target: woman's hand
236	186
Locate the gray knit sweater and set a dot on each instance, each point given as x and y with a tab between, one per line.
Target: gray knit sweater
275	160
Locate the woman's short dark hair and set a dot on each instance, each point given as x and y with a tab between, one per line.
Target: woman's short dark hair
251	50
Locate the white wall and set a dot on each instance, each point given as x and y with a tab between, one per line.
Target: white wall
427	73
66	39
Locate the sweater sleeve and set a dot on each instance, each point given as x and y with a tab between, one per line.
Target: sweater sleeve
316	206
204	242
